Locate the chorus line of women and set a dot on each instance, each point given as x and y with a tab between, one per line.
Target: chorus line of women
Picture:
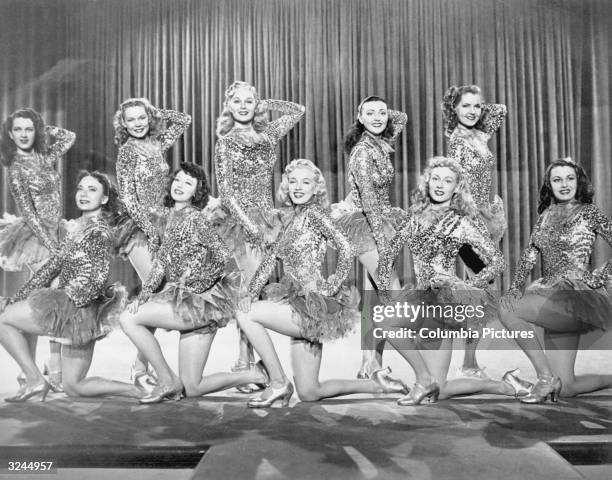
203	262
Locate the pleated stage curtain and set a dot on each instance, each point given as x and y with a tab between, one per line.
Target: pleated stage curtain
547	60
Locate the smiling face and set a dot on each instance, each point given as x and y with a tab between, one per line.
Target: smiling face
136	121
469	109
183	188
302	185
442	185
564	183
242	105
374	116
23	133
90	195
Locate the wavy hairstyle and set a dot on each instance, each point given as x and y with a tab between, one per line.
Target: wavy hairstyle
202	191
357	128
121	133
451	99
461	201
584	188
112	208
8	146
225	122
320	194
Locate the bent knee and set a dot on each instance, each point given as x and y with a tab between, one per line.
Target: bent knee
309	394
72	389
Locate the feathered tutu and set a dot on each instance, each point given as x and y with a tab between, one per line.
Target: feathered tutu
320	318
127	234
60	319
19	246
207	311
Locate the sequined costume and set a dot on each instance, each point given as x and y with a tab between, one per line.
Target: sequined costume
81	308
323	308
142	182
569	297
193	258
35	185
469	147
245	174
366	215
434	239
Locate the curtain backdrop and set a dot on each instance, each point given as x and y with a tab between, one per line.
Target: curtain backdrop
547	60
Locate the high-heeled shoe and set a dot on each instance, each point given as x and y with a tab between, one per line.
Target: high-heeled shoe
54	377
174	392
283	393
26	393
545	387
389	384
521	387
241	366
420	393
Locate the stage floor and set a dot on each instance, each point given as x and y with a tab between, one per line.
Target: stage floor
358	436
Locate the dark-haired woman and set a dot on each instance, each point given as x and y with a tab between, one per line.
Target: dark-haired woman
143	133
31	152
469	124
569	299
198	299
78	312
366	215
245	155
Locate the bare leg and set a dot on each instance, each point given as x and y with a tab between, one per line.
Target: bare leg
75	365
561	351
248	265
194	349
15	321
306	361
371	359
141	260
409	351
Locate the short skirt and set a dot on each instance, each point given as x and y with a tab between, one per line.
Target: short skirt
128	234
19	246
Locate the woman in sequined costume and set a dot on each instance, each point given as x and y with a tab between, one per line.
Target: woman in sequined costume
304	306
245	156
569	299
198	299
143	134
78	311
35	184
469	125
442	220
366	215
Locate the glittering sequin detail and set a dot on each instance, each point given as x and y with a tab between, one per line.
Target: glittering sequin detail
245	170
564	236
469	147
36	185
142	179
434	246
192	254
371	175
82	264
301	247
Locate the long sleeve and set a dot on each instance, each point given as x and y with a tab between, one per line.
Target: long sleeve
361	167
492	117
126	177
600	223
263	272
62	140
156	275
17	184
177	123
398	121
218	254
291	112
41	279
527	261
483	246
387	258
225	172
325	226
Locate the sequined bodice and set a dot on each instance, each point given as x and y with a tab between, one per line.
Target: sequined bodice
191	255
82	263
151	171
564	237
43	185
